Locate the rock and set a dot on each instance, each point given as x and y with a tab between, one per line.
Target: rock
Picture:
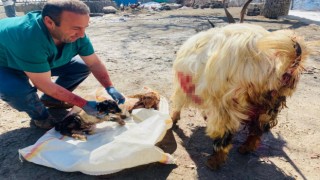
109	10
174	6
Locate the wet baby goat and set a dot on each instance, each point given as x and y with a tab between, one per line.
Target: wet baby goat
77	123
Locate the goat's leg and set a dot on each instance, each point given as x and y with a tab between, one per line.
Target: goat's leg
204	115
178	100
175	116
221	148
253	140
119	120
251	144
221	128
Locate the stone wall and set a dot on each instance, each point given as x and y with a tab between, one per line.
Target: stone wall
27	7
275	8
95	6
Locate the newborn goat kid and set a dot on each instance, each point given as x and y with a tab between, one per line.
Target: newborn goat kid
146	100
239	73
77	123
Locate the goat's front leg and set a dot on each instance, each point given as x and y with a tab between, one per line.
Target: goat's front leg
251	144
118	119
221	128
221	148
256	128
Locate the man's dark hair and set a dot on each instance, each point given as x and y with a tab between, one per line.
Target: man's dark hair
54	9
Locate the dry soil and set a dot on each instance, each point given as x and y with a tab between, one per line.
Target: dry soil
138	50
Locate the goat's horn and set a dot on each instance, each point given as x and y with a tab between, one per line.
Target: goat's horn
229	16
243	11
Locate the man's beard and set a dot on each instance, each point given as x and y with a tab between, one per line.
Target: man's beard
60	37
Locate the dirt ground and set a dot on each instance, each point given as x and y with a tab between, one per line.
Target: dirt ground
138	51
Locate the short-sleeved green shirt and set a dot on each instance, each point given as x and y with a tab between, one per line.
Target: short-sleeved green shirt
26	44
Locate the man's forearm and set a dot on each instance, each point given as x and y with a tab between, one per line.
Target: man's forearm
101	74
43	82
98	69
63	94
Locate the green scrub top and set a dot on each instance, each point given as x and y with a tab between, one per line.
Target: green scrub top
26	44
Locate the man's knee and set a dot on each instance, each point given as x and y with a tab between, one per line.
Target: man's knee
17	96
8	92
29	103
81	66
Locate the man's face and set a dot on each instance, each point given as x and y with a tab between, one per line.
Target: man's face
72	27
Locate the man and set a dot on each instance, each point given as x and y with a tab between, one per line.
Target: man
9	7
43	44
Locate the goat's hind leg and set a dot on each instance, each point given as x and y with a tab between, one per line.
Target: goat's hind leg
221	129
178	100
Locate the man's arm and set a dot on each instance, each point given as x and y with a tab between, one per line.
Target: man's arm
101	74
43	82
98	69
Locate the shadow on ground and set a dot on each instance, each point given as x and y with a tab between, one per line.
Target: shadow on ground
255	165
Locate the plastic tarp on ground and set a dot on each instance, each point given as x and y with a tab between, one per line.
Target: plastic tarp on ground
111	149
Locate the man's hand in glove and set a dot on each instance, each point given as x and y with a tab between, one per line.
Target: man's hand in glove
115	95
91	108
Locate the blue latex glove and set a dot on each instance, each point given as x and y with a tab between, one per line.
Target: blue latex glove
91	108
115	95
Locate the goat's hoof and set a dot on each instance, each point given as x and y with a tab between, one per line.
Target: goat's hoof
121	122
174	126
175	117
249	146
214	163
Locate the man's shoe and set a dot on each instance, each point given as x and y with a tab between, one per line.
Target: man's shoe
44	124
56	104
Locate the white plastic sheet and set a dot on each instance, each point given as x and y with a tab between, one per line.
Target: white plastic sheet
111	149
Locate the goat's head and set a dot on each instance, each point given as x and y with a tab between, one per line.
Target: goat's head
108	106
